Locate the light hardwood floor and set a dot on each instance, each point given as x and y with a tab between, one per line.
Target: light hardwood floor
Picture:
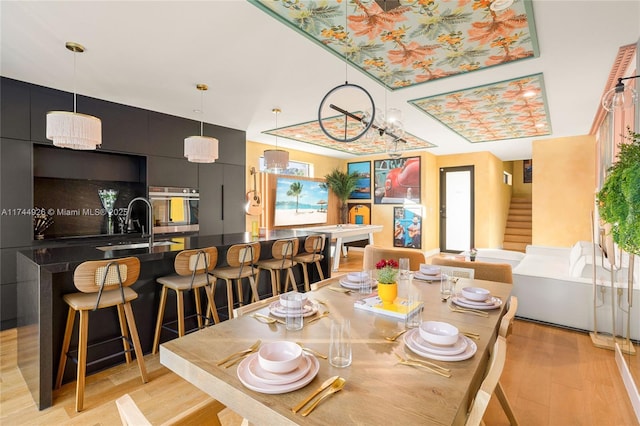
552	377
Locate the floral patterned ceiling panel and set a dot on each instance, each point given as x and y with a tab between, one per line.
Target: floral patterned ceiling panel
417	41
312	133
506	110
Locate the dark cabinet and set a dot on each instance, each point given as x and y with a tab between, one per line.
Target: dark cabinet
167	134
222	198
14	110
16	193
165	171
124	128
231	144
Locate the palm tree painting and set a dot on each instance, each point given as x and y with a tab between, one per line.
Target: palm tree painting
300	201
295	190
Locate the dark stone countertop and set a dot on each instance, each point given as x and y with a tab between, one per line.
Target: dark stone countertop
65	255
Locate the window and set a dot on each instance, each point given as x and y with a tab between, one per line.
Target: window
295	168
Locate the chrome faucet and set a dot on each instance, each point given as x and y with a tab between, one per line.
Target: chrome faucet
149	218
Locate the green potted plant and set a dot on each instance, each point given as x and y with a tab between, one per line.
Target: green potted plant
619	197
342	184
387	284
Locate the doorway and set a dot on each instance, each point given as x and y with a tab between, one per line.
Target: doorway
456	209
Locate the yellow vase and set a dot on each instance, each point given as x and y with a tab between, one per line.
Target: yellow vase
387	293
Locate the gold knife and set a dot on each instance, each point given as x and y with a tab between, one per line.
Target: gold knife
278	320
322	387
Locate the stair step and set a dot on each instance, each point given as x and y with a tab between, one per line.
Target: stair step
520	200
517	238
518	231
519	218
514	246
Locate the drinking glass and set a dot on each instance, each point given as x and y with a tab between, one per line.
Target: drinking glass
414	317
340	343
365	282
447	285
403	267
293	318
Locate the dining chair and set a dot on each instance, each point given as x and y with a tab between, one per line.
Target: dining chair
204	413
101	284
192	269
506	323
241	260
499	272
373	254
282	259
490	385
313	246
451	271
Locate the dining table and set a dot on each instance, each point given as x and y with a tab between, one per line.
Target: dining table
378	389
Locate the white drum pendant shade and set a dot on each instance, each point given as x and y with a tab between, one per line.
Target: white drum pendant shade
73	130
276	159
201	149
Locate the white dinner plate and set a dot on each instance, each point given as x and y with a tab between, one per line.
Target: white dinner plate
420	276
351	285
254	384
491	300
461	301
468	352
269	378
457	348
278	310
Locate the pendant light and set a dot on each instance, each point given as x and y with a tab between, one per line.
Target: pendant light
276	159
620	96
71	129
201	149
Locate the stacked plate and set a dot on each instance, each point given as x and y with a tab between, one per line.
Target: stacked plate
463	348
270	377
279	310
427	273
352	280
476	298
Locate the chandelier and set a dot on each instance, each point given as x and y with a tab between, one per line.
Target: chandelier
276	159
201	149
72	129
620	96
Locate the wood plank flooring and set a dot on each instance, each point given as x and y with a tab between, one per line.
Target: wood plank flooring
552	377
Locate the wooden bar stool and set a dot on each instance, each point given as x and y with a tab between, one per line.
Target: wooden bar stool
192	273
313	247
282	253
241	259
102	284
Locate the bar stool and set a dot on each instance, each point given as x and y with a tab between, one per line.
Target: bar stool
192	273
241	259
282	253
313	246
102	284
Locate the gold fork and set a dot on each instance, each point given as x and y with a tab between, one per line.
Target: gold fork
468	311
250	349
403	361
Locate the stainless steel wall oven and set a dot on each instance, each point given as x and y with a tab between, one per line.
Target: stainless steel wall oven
174	209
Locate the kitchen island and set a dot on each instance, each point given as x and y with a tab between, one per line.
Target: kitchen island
46	274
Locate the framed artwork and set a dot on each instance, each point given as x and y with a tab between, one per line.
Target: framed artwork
527	171
396	180
363	186
407	227
300	201
359	213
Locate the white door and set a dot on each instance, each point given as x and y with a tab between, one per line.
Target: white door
456	209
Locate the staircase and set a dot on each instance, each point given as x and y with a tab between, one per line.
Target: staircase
517	234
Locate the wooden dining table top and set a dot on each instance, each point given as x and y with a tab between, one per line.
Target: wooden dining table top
378	389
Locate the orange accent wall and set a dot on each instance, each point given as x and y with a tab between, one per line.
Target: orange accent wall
563	190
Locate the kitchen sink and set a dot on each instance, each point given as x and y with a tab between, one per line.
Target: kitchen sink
129	246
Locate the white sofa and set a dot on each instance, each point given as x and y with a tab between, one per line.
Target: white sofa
555	285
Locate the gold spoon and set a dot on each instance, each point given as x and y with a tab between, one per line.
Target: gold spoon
395	336
312	351
335	387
